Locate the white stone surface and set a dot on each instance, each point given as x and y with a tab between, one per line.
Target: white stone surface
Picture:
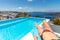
29	36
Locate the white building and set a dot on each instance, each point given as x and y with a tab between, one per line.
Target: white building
7	15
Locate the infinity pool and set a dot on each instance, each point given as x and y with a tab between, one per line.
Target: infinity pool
16	29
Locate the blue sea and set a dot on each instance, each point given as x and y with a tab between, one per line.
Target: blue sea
48	15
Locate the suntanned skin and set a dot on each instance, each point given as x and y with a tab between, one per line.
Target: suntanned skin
46	35
35	37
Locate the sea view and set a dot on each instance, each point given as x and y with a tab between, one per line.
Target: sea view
14	14
29	19
48	15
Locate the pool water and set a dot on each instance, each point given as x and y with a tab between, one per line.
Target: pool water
16	29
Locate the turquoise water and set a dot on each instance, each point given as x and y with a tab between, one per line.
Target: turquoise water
8	21
19	28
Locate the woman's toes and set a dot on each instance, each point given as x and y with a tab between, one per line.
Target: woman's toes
35	37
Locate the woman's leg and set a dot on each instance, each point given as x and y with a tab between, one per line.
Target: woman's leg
48	35
35	37
47	26
40	30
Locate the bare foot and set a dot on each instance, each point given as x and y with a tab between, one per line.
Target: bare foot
35	37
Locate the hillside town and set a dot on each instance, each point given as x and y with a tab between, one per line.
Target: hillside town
7	15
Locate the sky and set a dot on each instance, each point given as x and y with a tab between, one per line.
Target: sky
30	5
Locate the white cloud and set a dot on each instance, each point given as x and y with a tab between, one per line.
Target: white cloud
24	9
20	8
28	9
29	0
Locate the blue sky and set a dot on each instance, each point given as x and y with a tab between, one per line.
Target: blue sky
30	5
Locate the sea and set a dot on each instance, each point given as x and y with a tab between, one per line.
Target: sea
48	15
